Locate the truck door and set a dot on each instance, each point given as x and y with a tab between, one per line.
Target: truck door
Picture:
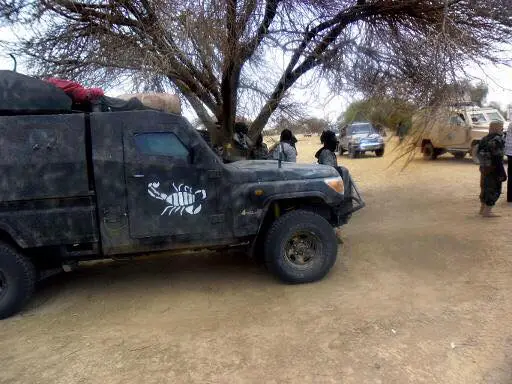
168	194
454	132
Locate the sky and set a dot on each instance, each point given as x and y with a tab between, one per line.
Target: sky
319	101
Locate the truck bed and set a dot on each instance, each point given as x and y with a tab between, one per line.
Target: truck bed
46	193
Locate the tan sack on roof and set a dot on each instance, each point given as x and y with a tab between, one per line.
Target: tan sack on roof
166	102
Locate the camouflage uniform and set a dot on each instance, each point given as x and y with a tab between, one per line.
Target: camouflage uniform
508	152
259	152
289	153
492	173
327	157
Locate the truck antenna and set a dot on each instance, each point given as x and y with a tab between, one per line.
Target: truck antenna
15	62
280	155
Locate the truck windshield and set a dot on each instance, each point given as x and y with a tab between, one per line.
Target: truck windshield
494	116
478	118
360	129
484	117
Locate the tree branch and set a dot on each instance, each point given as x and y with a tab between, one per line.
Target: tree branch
263	29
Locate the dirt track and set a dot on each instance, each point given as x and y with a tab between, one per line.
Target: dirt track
420	294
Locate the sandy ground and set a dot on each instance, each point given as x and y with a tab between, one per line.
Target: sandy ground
420	294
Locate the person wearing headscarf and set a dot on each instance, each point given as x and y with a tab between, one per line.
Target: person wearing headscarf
492	173
327	154
286	147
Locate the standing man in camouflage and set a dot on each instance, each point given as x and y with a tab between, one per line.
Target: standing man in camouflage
492	173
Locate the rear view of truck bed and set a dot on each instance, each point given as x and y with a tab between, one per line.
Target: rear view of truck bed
45	192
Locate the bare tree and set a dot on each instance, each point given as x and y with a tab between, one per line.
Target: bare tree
217	53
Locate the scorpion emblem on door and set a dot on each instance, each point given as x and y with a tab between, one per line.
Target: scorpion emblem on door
182	199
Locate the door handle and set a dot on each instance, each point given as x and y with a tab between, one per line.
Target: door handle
138	176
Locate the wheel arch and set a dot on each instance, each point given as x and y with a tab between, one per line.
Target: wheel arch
278	205
315	202
9	236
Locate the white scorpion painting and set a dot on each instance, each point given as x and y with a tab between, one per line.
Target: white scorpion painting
180	200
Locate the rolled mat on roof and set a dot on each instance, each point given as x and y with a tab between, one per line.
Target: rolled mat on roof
24	94
162	101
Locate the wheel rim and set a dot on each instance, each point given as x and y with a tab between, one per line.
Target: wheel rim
3	285
303	249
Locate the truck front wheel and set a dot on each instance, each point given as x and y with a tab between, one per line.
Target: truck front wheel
17	280
300	247
429	152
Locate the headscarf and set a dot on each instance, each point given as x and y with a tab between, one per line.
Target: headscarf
329	141
286	135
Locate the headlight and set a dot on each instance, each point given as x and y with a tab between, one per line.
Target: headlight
335	183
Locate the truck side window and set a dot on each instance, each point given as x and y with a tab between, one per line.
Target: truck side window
161	144
456	120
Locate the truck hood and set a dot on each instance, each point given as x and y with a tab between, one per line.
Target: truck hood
267	170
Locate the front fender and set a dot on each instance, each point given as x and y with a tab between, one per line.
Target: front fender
13	234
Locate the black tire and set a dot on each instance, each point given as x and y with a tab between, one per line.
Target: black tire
341	150
286	247
459	155
17	280
379	152
429	152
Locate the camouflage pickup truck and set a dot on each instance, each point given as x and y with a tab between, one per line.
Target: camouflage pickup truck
78	186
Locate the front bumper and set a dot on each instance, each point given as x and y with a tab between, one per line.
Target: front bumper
352	200
369	146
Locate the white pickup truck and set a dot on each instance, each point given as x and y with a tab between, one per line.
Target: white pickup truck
453	129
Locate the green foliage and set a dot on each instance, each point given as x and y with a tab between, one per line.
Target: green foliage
387	112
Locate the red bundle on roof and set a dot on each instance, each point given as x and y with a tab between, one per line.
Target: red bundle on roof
77	92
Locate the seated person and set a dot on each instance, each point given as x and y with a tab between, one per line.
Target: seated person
326	155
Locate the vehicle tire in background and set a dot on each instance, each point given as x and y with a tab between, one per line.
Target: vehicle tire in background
300	247
429	151
379	152
352	153
459	155
17	280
